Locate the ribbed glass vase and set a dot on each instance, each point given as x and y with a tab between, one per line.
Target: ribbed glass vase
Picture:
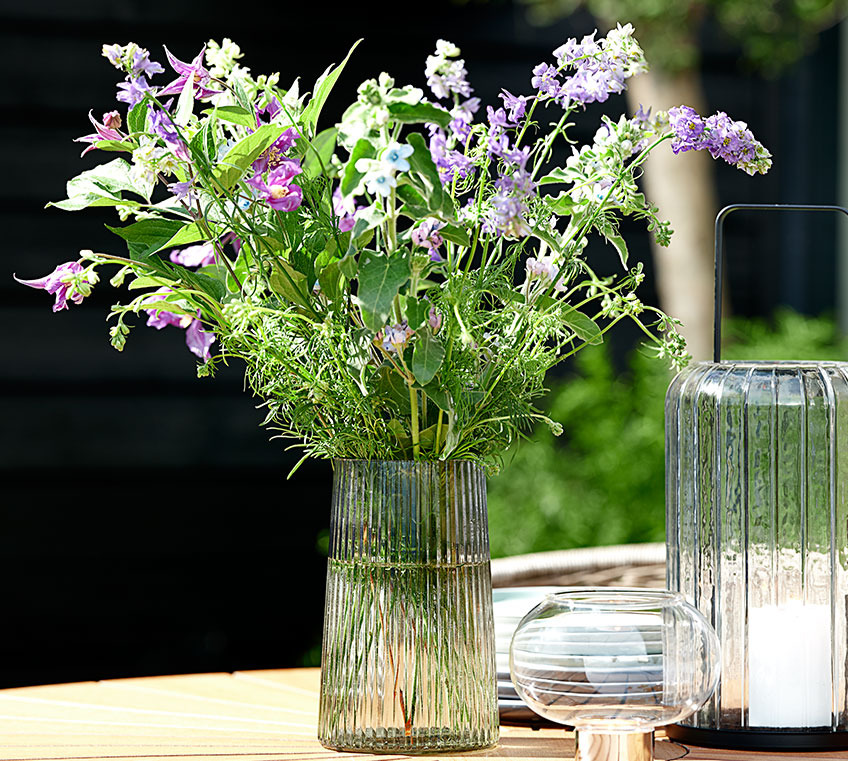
757	522
408	663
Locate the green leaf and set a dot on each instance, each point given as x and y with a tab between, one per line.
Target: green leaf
563	204
137	118
241	96
234	115
116	146
392	386
322	90
351	177
585	328
244	153
189	234
147	236
427	356
418	113
421	163
319	152
149	282
456	234
620	246
348	266
439	396
289	283
557	176
414	205
379	279
396	427
417	312
329	278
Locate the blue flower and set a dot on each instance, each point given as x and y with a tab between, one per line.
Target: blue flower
396	156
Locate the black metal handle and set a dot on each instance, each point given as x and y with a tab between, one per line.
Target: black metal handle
719	252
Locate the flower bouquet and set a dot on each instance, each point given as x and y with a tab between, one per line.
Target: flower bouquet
397	285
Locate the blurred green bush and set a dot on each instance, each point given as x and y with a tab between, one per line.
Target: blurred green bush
602	481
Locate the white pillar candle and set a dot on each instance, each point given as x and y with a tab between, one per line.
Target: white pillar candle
789	666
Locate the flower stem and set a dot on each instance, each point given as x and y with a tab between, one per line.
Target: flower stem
413	402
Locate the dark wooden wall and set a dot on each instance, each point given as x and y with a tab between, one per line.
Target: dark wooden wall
146	523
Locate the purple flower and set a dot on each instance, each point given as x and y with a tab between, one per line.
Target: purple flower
466	109
688	128
435	320
545	80
183	191
199	340
394	338
62	282
160	318
162	125
587	86
498	118
275	155
132	90
194	256
427	236
141	64
277	189
346	216
106	131
516	105
114	54
194	71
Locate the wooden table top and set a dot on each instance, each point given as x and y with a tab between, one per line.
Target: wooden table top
246	716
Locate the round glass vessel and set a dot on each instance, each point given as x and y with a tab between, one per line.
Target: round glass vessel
614	664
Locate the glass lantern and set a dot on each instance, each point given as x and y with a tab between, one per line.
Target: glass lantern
614	664
757	540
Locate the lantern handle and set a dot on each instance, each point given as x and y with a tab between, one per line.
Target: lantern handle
719	252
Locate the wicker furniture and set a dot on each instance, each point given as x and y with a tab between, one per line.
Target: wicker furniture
625	565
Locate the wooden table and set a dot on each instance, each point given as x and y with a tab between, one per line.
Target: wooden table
246	716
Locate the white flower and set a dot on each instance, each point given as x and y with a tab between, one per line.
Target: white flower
222	58
377	183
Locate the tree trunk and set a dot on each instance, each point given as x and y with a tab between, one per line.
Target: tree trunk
683	188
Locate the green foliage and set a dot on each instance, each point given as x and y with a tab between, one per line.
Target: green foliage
602	482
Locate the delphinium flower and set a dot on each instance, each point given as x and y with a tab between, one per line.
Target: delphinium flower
69	281
427	236
446	72
107	130
544	268
161	124
394	338
721	136
600	67
136	63
434	320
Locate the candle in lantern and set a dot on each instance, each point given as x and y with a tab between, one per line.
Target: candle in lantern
789	666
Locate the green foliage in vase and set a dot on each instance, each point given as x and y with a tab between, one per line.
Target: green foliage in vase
603	482
397	284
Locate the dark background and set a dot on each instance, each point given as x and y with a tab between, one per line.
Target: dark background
146	523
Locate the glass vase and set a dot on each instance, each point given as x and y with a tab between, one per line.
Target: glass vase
408	662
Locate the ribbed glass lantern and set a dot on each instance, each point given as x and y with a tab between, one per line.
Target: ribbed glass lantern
757	521
408	663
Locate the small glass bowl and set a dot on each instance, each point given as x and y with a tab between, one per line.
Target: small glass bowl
614	662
